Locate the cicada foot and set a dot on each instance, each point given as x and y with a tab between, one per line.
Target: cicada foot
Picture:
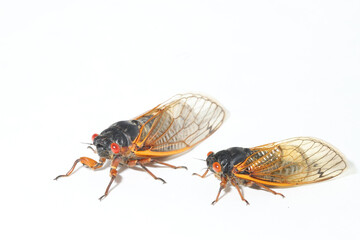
108	188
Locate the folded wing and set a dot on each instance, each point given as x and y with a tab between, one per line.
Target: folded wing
178	125
292	162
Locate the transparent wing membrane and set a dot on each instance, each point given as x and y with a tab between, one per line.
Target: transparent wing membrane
294	161
179	124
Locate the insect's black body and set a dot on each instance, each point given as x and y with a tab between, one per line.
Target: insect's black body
123	133
169	129
287	163
228	159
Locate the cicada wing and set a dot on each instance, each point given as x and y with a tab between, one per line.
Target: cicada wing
178	125
294	161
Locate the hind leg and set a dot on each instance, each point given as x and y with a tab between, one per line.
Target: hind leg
168	165
268	189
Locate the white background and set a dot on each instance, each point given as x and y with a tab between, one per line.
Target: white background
69	69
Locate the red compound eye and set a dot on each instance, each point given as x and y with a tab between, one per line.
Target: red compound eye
115	148
209	153
217	167
94	136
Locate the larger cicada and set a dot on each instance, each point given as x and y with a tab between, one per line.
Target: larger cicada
169	129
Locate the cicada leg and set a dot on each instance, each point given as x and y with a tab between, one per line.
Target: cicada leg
168	165
91	163
202	176
222	186
141	162
239	190
268	189
113	173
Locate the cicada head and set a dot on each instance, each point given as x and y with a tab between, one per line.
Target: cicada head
102	144
223	162
109	145
117	139
219	163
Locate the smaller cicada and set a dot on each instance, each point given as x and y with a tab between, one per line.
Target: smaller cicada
287	163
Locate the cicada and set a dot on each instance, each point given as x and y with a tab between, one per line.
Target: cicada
169	129
287	163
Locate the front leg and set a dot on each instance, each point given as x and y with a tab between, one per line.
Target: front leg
91	163
202	176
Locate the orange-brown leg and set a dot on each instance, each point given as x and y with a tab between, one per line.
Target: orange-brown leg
141	162
268	189
202	176
168	165
222	186
91	163
113	173
99	164
240	192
